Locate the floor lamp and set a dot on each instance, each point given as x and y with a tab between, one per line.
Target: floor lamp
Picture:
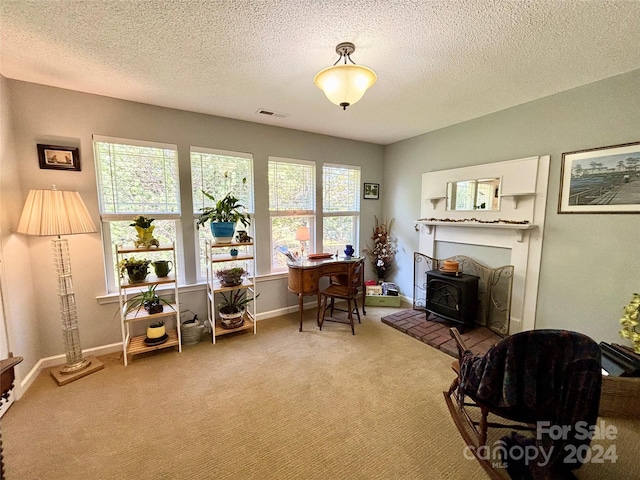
55	213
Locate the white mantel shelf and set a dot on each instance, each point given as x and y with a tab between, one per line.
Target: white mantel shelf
519	228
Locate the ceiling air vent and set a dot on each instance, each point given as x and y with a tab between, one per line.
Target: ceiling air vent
271	113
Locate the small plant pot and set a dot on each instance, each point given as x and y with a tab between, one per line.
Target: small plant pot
234	252
232	320
223	231
230	280
154	333
136	275
153	306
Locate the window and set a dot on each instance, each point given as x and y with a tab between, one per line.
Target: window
218	172
292	199
135	178
340	207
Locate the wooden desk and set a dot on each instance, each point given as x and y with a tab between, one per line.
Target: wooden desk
305	277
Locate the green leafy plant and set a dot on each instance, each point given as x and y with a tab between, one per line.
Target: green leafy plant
227	209
235	302
630	322
134	265
139	300
231	272
142	221
157	324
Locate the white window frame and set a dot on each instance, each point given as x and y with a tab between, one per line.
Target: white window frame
310	215
344	213
106	218
250	209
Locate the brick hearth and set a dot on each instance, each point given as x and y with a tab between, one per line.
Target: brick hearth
434	331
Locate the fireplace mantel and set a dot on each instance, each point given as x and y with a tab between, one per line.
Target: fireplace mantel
518	228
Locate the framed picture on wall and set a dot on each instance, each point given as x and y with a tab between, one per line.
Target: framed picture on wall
371	191
601	180
59	158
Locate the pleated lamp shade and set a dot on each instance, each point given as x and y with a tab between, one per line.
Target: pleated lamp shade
302	234
55	212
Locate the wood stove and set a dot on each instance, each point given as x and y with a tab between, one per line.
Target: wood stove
453	296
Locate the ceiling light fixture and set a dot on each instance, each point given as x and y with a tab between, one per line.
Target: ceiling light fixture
345	84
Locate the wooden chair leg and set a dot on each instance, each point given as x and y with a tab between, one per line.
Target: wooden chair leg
482	434
355	307
353	332
324	309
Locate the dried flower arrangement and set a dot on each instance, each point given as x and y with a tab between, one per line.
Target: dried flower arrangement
382	253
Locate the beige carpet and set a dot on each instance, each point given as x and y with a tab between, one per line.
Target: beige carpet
280	404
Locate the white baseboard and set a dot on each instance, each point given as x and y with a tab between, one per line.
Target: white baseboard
56	360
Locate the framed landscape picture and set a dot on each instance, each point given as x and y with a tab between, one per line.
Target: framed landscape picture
371	191
601	180
58	158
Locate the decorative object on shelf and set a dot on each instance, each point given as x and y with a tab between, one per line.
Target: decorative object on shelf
54	213
630	322
302	235
233	252
349	251
144	229
156	334
59	158
231	277
162	267
601	180
242	236
147	299
137	269
371	191
192	331
345	84
223	217
450	267
383	251
475	220
232	308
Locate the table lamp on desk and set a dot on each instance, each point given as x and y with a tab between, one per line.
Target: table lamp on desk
302	235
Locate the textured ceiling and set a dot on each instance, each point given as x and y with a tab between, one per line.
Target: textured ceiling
438	62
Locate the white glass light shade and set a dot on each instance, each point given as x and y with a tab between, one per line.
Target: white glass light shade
344	85
302	234
55	212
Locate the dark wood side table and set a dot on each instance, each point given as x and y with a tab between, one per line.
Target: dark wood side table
7	377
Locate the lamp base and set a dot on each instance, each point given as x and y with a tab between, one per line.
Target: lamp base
62	377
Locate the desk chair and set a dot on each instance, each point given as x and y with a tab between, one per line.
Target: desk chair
343	289
551	376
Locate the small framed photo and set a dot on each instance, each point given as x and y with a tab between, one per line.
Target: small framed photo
601	180
371	191
59	158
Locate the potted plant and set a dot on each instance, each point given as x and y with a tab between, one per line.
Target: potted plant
147	299
144	230
137	268
223	217
630	321
156	333
230	277
232	306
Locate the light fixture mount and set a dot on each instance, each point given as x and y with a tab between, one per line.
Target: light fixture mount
346	83
345	49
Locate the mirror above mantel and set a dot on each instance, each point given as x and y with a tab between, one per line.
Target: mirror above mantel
474	195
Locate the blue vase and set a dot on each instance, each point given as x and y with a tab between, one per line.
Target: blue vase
349	251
